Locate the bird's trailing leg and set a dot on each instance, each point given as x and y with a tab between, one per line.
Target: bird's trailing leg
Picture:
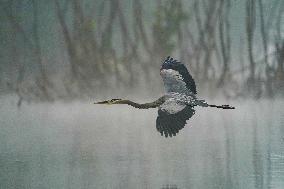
221	106
202	103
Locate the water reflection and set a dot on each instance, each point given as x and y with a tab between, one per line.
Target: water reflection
169	186
80	146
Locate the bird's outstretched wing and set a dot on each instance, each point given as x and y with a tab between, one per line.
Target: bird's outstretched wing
176	77
170	124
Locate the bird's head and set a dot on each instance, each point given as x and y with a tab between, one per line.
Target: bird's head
110	102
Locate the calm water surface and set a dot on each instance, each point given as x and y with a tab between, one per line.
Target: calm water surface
79	145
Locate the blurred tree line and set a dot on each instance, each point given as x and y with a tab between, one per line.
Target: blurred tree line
119	45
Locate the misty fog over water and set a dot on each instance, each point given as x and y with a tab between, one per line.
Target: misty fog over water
80	145
58	57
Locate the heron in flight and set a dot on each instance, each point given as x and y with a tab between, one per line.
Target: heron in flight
177	105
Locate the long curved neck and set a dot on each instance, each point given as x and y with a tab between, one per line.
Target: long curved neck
144	105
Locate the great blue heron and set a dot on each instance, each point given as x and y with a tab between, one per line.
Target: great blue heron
176	106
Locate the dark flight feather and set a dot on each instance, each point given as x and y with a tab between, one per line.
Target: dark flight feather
170	124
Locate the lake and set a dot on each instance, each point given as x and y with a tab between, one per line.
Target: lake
80	145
